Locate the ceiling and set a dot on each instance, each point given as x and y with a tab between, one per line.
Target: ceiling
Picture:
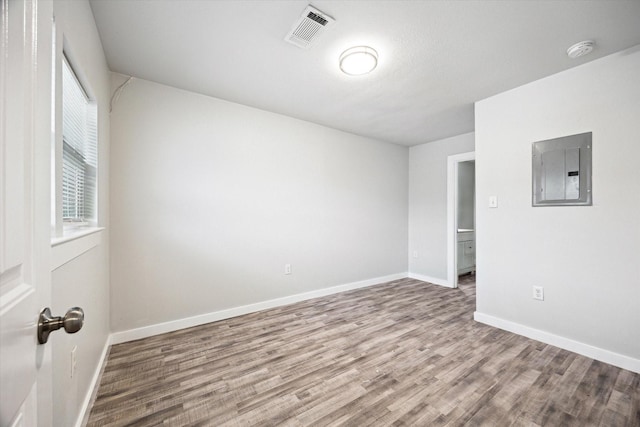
436	58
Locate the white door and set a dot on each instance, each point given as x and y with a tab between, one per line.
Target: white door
25	276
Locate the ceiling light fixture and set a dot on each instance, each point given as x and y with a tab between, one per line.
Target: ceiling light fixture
580	49
358	60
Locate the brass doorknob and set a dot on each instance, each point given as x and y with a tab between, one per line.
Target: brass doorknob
71	322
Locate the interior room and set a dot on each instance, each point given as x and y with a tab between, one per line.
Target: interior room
319	213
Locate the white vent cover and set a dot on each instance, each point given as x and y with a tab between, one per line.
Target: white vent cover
307	29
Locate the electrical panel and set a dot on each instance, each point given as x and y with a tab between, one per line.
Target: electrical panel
562	171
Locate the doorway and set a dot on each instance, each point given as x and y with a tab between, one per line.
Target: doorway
461	228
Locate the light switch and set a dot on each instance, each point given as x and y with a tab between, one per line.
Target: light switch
493	201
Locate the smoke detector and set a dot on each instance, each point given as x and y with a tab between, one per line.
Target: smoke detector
308	27
580	49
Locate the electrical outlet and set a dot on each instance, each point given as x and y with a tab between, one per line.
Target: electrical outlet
415	254
538	293
287	269
73	360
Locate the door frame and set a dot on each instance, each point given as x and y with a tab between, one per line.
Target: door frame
452	213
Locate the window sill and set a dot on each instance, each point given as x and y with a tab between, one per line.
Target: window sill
73	243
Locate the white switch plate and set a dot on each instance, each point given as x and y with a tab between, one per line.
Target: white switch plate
538	293
415	254
287	269
493	201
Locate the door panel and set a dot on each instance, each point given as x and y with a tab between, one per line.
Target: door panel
23	124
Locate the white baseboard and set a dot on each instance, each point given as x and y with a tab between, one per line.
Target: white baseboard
615	359
83	416
161	328
434	280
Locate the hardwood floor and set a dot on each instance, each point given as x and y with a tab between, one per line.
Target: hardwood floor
401	353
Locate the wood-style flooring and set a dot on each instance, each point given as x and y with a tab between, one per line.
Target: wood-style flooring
401	353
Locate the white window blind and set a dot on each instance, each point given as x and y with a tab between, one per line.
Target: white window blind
79	151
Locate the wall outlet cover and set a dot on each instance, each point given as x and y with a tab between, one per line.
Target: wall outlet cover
73	360
538	293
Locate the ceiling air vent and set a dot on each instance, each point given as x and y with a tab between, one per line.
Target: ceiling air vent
307	29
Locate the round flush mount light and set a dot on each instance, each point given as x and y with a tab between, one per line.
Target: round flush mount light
580	49
358	60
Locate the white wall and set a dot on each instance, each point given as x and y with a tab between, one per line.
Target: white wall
211	199
84	281
586	258
428	205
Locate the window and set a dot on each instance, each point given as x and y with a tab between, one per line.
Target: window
79	152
